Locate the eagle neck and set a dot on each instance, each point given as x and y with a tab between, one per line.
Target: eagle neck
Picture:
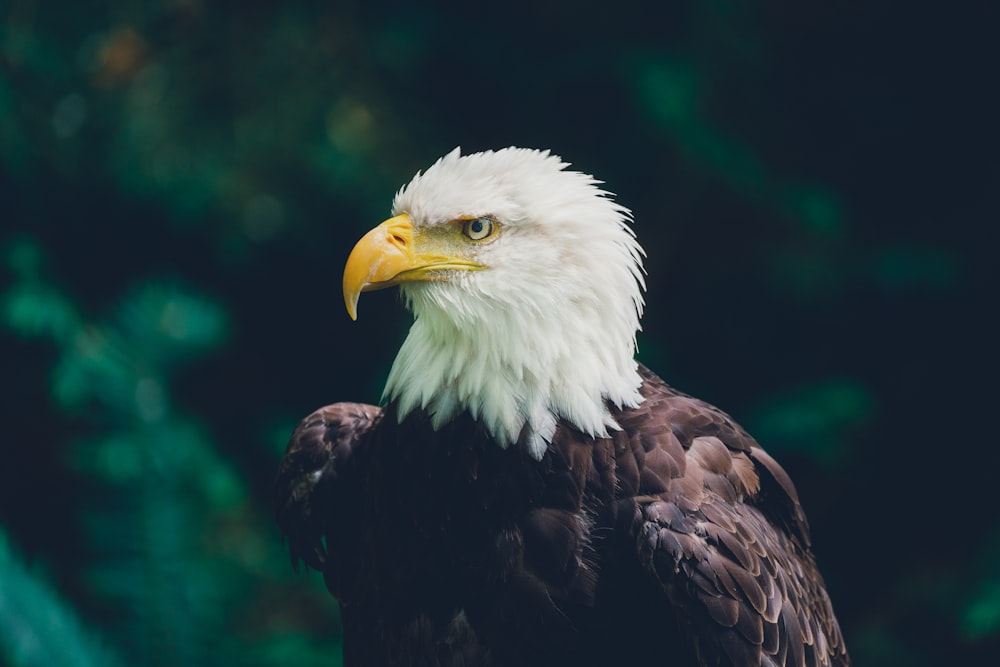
517	377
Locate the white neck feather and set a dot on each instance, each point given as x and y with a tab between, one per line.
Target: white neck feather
517	377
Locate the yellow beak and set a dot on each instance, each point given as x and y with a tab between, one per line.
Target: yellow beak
388	255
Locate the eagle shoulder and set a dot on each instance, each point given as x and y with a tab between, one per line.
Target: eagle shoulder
310	487
718	524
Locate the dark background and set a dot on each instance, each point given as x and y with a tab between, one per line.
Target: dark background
181	181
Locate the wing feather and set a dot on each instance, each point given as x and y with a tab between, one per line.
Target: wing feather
306	489
726	537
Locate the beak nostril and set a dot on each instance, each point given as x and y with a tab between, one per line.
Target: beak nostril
398	240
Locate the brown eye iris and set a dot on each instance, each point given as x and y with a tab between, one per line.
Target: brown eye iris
478	229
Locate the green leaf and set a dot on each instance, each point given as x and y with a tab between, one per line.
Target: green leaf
39	628
981	616
814	419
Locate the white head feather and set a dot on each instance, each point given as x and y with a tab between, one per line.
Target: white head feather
547	332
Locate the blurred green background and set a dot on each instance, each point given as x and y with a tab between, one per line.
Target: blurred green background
181	181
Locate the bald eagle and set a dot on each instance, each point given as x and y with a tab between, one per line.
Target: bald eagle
529	494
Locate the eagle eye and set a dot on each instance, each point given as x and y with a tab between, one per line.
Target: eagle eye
478	229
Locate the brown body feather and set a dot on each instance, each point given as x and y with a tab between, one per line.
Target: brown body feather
676	541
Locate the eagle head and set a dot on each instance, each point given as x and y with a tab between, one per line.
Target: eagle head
525	282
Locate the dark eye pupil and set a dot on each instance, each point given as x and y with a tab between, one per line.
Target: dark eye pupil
477	226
